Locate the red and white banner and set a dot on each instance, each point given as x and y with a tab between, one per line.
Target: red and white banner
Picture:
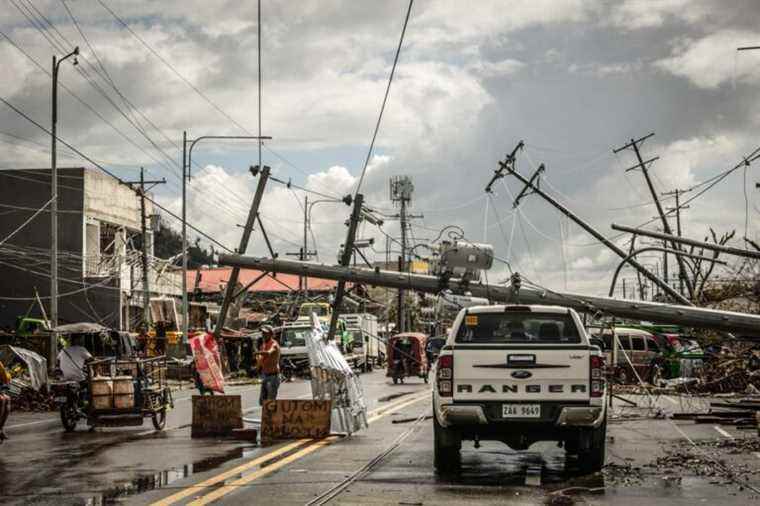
207	361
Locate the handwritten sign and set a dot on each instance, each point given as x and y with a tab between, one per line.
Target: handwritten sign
216	415
295	419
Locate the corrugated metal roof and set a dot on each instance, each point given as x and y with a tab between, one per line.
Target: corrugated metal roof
214	280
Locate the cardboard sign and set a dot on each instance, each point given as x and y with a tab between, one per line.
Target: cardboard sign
295	419
216	415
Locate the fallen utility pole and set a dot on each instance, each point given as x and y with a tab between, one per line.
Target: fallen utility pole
689	242
634	144
508	167
639	310
345	260
252	214
143	225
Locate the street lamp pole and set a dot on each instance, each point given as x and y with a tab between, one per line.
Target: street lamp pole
54	209
187	162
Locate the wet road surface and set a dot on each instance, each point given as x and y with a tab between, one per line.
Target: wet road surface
43	465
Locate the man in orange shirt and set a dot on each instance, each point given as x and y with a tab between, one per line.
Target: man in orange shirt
5	400
269	365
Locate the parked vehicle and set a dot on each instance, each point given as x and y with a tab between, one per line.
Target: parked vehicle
406	357
364	335
116	393
520	374
292	339
655	357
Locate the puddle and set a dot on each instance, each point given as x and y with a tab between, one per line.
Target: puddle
148	482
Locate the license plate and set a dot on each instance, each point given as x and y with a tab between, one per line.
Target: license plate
61	399
521	410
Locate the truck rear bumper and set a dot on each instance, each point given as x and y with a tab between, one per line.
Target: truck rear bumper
591	416
475	414
462	415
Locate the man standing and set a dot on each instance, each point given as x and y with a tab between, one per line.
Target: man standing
269	365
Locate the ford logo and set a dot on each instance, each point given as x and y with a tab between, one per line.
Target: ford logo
522	375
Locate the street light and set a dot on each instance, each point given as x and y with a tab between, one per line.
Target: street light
54	209
187	160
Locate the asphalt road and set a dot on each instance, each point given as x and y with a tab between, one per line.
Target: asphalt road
43	465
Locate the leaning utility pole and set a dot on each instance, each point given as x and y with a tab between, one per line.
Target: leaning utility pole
634	144
345	261
53	343
508	166
233	280
143	226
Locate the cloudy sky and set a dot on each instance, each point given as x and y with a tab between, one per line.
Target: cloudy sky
572	78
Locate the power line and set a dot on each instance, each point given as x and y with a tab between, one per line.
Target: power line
385	98
32	121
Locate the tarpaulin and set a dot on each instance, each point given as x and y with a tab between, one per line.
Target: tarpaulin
35	364
207	361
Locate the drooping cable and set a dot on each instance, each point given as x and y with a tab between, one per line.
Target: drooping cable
385	98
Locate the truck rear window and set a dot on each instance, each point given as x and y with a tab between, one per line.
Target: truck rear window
518	327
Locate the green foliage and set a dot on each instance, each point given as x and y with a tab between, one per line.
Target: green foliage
168	243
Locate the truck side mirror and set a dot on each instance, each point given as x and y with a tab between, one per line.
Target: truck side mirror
595	341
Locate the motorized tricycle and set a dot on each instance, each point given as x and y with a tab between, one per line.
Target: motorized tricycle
116	393
406	357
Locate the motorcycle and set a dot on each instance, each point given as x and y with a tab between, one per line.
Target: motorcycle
72	399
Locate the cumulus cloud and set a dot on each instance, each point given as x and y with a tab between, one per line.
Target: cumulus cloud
638	14
471	82
712	60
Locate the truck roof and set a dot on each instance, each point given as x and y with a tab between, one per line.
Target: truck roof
500	308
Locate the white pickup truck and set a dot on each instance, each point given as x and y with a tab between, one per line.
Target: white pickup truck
520	374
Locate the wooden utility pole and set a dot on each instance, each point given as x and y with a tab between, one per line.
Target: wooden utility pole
252	214
508	167
144	253
345	261
634	144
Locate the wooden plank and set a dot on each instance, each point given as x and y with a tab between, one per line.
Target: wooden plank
216	415
295	419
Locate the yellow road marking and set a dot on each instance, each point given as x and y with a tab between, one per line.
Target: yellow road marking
384	411
226	489
373	416
228	474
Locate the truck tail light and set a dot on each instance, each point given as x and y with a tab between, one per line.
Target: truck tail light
445	375
597	375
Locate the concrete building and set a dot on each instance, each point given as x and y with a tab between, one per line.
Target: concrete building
100	272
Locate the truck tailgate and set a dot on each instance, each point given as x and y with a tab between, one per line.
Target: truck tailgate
521	373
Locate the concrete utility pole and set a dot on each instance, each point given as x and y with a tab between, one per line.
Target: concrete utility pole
252	214
345	261
508	167
144	228
689	242
634	144
640	310
187	163
402	268
303	253
54	208
401	193
677	193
